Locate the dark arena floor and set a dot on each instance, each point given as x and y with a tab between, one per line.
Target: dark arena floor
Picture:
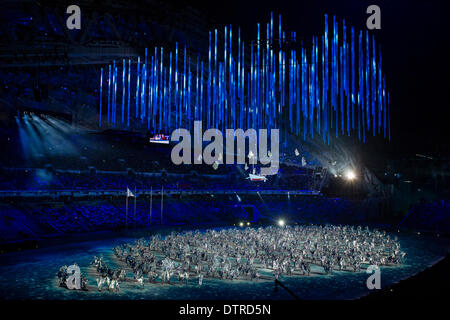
190	154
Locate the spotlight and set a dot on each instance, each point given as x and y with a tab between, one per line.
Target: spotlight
281	222
248	223
350	175
241	224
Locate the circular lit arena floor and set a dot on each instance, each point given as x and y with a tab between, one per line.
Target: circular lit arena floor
32	275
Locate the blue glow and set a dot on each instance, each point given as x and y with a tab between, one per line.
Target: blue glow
123	90
299	90
137	85
101	96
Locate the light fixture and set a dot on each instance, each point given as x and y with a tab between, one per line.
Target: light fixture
281	222
350	175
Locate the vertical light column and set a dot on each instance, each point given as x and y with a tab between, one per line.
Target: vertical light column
109	92
123	90
129	92
353	78
138	75
101	98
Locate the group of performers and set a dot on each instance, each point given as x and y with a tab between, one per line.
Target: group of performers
248	254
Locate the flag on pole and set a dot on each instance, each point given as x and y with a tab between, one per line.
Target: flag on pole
129	193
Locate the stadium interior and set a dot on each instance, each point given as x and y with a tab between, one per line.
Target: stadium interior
64	177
